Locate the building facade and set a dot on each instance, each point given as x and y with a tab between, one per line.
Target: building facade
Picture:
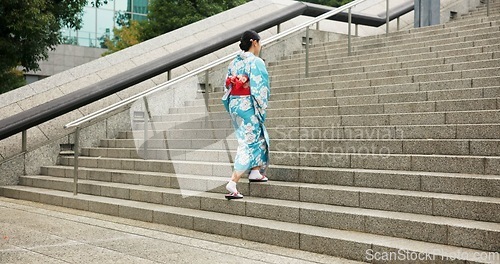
86	44
98	22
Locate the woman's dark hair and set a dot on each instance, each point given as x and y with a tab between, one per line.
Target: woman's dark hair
247	38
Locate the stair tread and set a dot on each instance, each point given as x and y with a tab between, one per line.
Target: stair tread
325	127
363	95
329	233
296	204
463	197
353	115
301	152
457	31
360	105
388	53
415	31
308	139
355	170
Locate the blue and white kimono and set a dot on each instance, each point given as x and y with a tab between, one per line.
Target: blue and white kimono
248	113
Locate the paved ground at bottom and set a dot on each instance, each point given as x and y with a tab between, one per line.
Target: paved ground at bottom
38	233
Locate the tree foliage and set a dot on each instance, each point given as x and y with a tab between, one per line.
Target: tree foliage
29	28
12	79
167	15
124	37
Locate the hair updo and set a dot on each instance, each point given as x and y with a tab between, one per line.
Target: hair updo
247	38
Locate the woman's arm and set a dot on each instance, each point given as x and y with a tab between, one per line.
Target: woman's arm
259	84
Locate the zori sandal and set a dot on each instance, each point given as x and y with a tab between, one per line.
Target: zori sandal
262	178
235	195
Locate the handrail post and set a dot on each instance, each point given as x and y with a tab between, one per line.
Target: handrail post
24	140
207	85
169	75
356	32
349	33
387	18
398	23
76	152
145	144
278	28
487	7
307	51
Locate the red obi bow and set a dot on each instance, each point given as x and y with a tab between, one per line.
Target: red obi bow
240	85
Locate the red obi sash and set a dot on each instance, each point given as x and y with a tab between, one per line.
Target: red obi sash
240	85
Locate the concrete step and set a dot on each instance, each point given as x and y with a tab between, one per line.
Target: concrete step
364	105
454	131
309	83
374	106
347	244
411	59
482	11
371	104
488	37
415	202
485	117
436	118
214	133
325	101
397	76
379	161
473	62
494	11
312	85
431	66
419	34
434	182
209	149
406	61
442	230
335	153
418	118
490	45
436	42
310	91
466	19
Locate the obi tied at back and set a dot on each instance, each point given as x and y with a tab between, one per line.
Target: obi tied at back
240	85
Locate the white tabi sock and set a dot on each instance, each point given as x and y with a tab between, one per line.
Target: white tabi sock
231	187
255	174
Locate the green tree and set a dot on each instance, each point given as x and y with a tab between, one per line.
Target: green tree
13	78
29	29
167	15
124	37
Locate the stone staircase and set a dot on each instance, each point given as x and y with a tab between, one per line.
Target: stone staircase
393	149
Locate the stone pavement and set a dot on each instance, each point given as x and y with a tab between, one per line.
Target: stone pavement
37	233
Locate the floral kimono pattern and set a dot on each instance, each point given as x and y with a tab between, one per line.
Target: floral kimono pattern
248	113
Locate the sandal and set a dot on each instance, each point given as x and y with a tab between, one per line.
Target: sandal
263	178
235	195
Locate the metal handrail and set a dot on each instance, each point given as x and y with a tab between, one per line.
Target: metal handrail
208	66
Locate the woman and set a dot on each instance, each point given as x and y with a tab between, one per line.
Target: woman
248	80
